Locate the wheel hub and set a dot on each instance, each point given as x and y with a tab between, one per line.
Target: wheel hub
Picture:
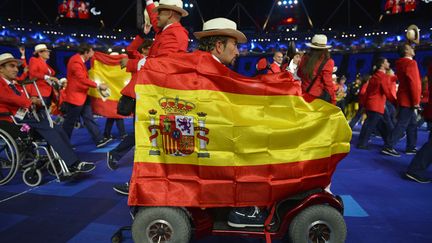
319	232
159	231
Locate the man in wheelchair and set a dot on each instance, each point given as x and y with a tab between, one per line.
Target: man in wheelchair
15	102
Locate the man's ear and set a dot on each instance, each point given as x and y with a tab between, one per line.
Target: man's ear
219	46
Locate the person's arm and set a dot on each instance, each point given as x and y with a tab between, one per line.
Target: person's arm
326	73
153	16
15	100
132	49
413	75
79	73
386	85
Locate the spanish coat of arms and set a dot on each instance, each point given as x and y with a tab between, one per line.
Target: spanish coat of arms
178	129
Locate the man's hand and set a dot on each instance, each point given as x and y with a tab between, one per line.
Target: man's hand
22	51
36	101
102	86
147	28
123	62
54	79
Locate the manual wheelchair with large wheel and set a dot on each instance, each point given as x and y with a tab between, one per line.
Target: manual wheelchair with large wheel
22	149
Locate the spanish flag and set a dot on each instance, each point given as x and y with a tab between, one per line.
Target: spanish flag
106	69
209	137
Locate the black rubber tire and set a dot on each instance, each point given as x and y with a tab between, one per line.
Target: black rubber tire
326	215
175	217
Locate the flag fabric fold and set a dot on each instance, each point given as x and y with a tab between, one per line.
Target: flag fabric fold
209	137
106	69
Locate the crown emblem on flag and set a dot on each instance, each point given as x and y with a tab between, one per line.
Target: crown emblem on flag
176	105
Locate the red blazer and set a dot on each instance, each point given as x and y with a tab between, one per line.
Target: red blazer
324	80
378	91
11	102
275	68
23	75
78	81
38	68
132	65
175	38
362	94
409	91
427	113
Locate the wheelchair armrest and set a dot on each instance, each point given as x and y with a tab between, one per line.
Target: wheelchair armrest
28	81
4	114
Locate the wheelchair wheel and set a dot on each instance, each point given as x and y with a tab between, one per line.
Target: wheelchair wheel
9	157
161	224
32	177
318	223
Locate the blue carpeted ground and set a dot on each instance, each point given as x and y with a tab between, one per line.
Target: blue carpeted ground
381	206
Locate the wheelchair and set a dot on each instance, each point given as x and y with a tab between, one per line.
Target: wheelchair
28	153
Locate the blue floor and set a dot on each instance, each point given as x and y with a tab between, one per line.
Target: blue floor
381	206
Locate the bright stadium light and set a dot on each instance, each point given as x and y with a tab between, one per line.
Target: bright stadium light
284	2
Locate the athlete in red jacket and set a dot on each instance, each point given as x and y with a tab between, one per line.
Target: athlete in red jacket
378	91
39	69
408	96
275	67
170	37
323	86
76	102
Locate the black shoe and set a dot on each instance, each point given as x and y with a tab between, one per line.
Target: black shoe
122	188
417	178
82	167
247	217
411	151
103	142
362	147
111	162
391	152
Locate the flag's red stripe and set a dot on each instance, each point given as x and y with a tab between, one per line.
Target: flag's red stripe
200	71
106	108
155	184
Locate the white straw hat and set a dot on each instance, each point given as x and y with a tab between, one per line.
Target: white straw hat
40	47
413	34
319	42
176	5
222	27
7	57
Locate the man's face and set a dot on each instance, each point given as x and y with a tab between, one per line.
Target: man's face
386	65
409	50
145	51
163	16
296	59
45	54
278	57
227	54
88	54
9	70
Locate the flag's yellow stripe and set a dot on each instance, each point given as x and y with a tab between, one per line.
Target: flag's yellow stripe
115	77
248	130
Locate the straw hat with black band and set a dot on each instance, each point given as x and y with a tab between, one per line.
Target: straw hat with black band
221	27
40	47
176	5
319	42
7	57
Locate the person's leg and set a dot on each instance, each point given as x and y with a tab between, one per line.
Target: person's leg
108	127
55	139
89	122
121	127
411	134
368	127
404	119
124	146
71	116
356	118
421	162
